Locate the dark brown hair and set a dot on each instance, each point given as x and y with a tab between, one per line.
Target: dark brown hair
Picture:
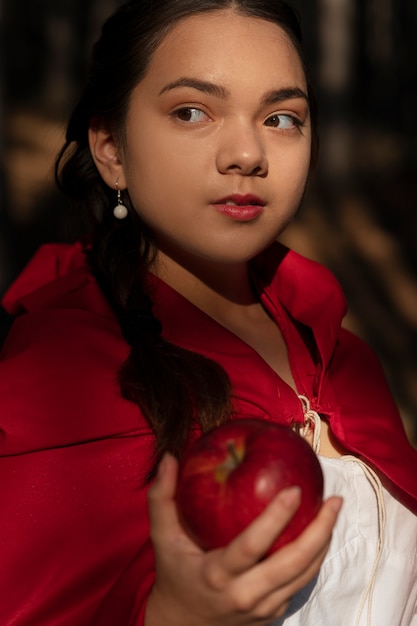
173	387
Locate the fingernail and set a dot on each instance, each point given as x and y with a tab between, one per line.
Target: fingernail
163	465
336	504
290	497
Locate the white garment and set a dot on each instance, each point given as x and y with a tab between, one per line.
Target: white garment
334	597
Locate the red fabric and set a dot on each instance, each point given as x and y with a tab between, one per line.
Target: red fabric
74	537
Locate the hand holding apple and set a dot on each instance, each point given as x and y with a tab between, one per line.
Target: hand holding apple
231	473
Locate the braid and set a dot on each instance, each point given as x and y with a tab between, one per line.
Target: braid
174	388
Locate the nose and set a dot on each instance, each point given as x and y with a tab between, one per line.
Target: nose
241	151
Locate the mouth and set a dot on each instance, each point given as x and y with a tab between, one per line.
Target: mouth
239	200
240	208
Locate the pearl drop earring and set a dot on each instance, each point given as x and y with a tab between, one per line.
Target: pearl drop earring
119	211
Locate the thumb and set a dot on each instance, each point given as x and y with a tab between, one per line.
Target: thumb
161	499
165	481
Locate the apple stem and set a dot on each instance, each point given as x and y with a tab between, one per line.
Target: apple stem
233	453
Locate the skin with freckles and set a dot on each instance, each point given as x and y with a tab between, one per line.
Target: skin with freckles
215	156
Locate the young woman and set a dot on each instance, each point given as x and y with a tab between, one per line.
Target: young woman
190	149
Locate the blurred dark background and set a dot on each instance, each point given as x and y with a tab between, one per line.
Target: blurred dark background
359	216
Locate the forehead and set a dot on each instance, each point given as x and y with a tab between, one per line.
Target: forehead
222	45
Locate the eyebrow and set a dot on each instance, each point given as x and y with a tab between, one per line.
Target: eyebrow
200	85
280	95
274	96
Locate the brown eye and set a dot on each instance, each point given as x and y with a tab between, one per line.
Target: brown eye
283	121
190	114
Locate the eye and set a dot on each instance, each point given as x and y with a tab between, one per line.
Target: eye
190	114
283	121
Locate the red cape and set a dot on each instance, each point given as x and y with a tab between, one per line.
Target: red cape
74	534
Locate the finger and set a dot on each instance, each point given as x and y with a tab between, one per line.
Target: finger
166	478
253	543
161	498
273	605
315	539
290	568
310	547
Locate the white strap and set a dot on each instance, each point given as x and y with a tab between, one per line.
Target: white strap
377	487
312	424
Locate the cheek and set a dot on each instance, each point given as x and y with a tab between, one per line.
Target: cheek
290	170
156	181
157	163
299	175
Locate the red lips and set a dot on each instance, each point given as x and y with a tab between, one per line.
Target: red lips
240	208
245	200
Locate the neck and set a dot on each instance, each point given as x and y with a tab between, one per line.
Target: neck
206	284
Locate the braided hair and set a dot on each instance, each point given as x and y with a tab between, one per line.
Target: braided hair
173	387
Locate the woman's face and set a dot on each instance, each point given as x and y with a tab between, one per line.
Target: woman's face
218	138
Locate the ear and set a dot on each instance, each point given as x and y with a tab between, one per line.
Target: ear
106	155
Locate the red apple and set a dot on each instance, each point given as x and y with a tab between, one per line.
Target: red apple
232	472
